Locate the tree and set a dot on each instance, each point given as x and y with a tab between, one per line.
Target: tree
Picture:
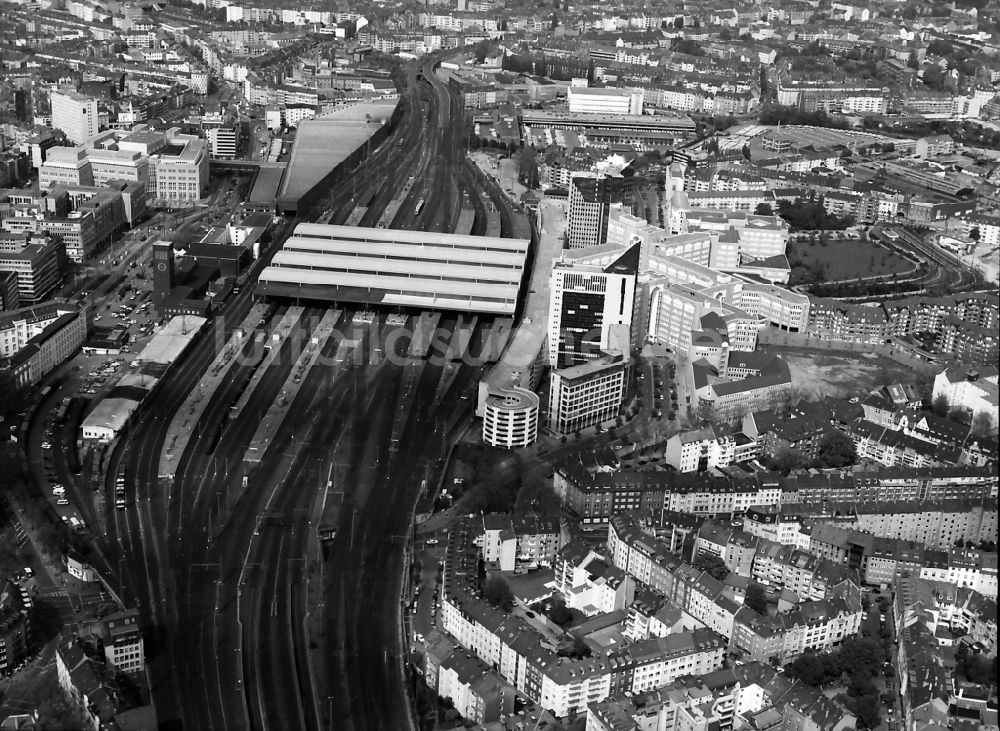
934	77
940	405
764	209
746	152
560	613
861	655
711	563
497	593
808	668
976	669
756	598
982	424
785	460
866	708
836	449
974	234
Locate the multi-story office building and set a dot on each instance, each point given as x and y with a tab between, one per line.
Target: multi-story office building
224	141
178	173
586	100
768	387
591	195
590	309
10	296
126	165
66	165
36	259
17	327
587	394
75	114
677	311
45	349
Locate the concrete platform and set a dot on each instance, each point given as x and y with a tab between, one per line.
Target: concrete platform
278	410
182	426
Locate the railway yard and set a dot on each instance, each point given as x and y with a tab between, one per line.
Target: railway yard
253	620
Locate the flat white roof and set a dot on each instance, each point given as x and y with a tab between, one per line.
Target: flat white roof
111	413
365	235
167	345
599	91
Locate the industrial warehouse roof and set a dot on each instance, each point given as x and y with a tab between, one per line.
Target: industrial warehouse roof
167	345
546	118
111	413
322	143
399	268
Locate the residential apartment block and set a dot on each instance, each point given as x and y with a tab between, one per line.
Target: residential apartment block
559	683
810	625
513	542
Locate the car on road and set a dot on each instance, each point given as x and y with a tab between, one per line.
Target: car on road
62	501
46	445
432	541
58	490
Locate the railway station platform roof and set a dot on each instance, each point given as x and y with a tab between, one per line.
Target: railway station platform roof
415	269
322	144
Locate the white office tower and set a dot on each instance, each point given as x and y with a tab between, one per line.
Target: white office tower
75	114
591	308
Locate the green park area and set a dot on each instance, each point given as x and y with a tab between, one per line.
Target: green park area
826	260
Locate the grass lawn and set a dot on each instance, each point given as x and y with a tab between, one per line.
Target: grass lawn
847	259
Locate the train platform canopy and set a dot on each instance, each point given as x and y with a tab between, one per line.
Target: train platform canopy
323	143
171	341
416	269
